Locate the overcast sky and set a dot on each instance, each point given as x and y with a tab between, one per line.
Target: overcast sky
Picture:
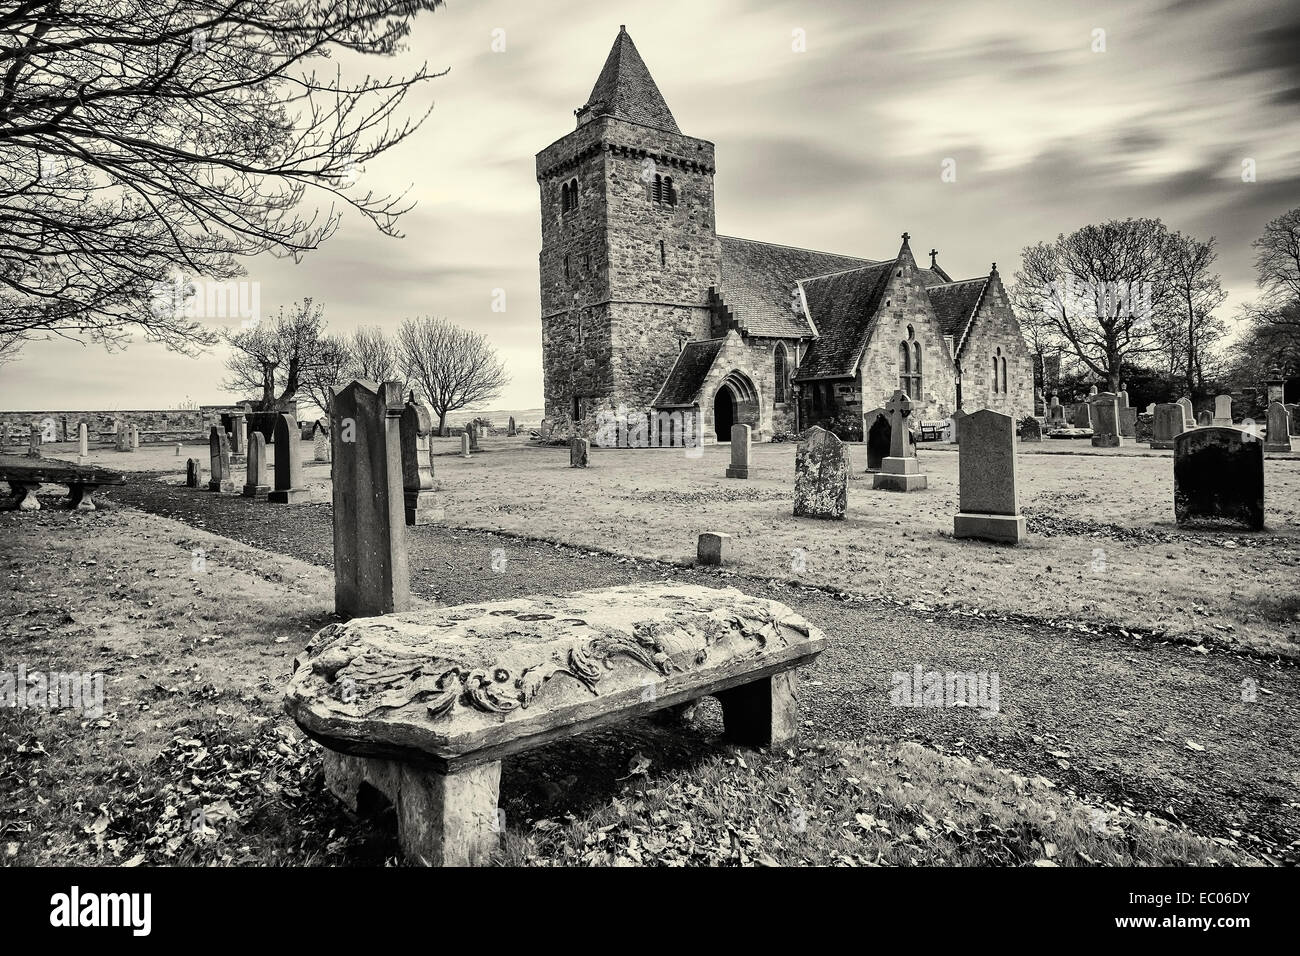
837	148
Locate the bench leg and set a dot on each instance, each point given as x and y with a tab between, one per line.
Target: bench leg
80	497
24	498
764	713
442	819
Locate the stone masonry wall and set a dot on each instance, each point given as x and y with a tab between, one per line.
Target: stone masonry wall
183	424
994	327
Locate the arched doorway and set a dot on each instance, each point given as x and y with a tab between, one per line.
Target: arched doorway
724	413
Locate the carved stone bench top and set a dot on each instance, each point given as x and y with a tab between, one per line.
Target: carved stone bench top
56	471
462	685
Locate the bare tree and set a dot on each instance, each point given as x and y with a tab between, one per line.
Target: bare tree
277	354
1190	330
374	356
453	367
1098	293
330	369
144	143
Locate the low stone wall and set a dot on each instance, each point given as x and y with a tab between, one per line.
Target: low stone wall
156	425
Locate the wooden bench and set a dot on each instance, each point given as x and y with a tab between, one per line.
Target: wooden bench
24	479
931	430
423	705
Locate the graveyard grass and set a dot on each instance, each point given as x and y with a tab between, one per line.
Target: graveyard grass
196	662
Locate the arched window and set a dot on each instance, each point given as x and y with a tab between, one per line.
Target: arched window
670	193
909	365
995	371
1003	360
569	196
778	362
662	190
916	368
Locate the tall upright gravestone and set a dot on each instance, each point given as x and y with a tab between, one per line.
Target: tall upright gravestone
194	473
1189	417
421	502
83	441
288	462
1170	421
371	567
740	447
990	502
255	485
512	430
1278	438
1219	477
1223	410
901	471
1105	421
34	441
1082	416
821	476
219	461
121	439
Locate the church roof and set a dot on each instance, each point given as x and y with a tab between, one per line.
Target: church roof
687	376
843	307
758	279
955	304
626	90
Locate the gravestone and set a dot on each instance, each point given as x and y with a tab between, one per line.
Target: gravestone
1223	410
1128	422
464	444
255	485
710	547
1169	424
821	476
1151	409
288	463
990	504
1031	430
178	449
739	467
219	461
4	436
901	471
121	439
194	473
1105	421
239	437
875	434
1278	438
510	429
321	445
415	427
1204	418
1189	417
1082	415
1055	413
472	430
135	438
1219	477
1092	391
579	452
1293	413
34	441
371	567
83	441
957	418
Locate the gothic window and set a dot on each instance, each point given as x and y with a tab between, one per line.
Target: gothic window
779	363
662	190
670	193
916	368
995	373
1003	360
909	366
564	198
569	196
999	372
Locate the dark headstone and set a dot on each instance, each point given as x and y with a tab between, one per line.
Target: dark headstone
1031	429
288	463
417	471
194	473
1219	477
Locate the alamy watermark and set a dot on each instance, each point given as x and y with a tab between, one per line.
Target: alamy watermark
208	300
649	428
53	690
952	689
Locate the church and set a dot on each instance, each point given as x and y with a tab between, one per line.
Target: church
646	310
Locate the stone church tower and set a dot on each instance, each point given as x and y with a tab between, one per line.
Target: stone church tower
649	316
629	246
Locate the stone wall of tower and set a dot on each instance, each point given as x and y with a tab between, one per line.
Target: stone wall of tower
995	326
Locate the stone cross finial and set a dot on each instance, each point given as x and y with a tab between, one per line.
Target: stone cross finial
906	236
934	258
898	407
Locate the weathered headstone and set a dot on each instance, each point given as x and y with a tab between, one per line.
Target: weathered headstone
1189	416
371	567
710	547
1031	429
83	441
821	476
178	449
288	463
464	444
1105	421
1219	477
990	504
321	446
1275	385
1092	391
875	434
579	452
740	447
239	437
121	438
1169	424
1151	409
1293	413
1223	410
34	441
472	430
1127	421
901	471
1055	413
422	506
219	461
135	438
194	473
1278	438
1082	415
255	485
510	429
1204	418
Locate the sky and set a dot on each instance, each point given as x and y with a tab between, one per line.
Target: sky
832	120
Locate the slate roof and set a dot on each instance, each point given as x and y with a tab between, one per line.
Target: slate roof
843	307
954	305
688	372
626	90
758	277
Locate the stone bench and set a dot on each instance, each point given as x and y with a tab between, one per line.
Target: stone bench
423	705
25	479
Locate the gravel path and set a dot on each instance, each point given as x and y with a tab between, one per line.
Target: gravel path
1160	728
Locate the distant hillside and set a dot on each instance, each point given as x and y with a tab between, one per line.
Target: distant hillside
499	417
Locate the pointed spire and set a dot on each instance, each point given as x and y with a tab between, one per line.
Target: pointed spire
626	90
